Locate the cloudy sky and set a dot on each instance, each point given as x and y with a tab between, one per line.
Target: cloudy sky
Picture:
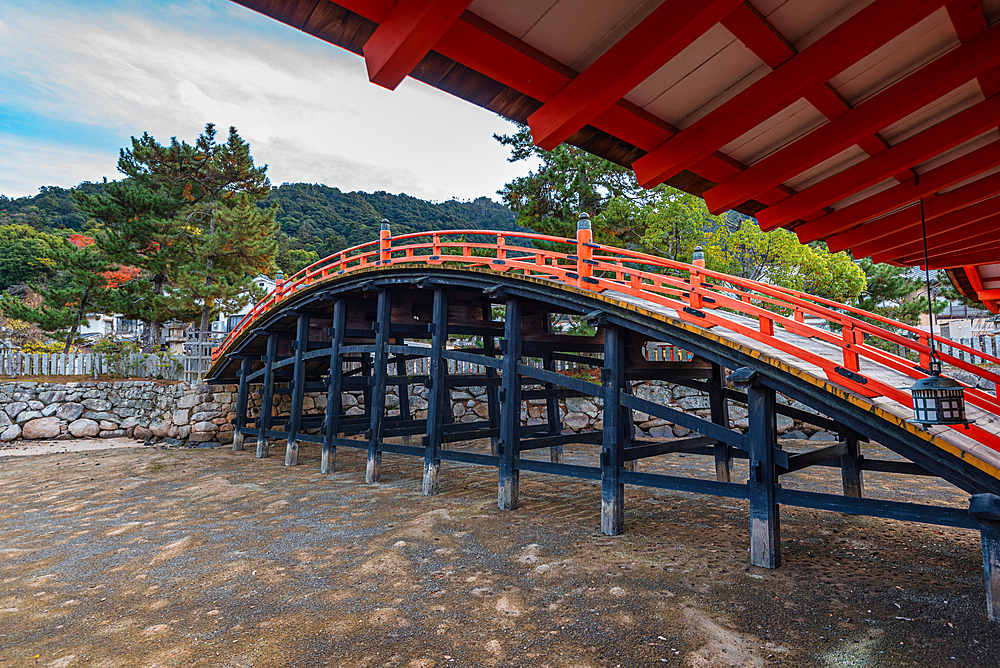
77	79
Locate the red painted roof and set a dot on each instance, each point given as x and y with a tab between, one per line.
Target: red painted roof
833	118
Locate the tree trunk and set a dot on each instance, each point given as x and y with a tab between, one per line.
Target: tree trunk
76	322
206	309
154	325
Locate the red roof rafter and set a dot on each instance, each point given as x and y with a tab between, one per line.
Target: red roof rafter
914	150
909	241
939	178
980	255
667	31
756	33
406	35
843	46
987	229
899	100
939	205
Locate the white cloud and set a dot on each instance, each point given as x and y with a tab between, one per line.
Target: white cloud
306	107
26	165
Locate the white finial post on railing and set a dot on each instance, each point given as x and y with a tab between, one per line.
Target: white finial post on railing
698	260
385	243
584	238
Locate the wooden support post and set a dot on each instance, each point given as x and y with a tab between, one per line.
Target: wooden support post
439	397
986	509
719	407
334	396
850	465
765	545
373	470
403	389
510	411
266	396
298	386
552	410
492	395
366	393
628	418
613	452
242	397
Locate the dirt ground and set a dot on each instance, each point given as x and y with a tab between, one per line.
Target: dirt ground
143	556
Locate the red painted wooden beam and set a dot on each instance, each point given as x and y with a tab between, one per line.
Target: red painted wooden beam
989	255
936	206
958	237
910	240
667	31
983	242
943	136
481	46
843	46
406	35
898	101
951	173
989	295
756	33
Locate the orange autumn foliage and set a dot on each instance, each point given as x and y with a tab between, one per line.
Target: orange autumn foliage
114	277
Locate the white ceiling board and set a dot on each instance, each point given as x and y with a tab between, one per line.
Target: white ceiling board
983	175
960	150
568	31
783	128
947	105
699	52
838	163
992	10
514	16
802	22
710	84
766	7
866	193
625	24
989	270
919	45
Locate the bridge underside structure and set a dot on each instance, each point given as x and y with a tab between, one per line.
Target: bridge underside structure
354	320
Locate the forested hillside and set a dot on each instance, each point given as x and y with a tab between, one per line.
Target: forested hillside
324	219
315	220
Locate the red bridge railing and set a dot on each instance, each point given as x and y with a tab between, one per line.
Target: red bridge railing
698	295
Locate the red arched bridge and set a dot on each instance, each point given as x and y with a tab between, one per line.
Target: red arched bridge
352	321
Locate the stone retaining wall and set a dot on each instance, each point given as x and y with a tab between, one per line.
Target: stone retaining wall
140	409
203	414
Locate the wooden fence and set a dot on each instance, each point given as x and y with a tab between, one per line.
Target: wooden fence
14	363
985	343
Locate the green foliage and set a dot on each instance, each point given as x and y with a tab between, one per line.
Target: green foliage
118	355
51	209
218	238
138	229
568	182
325	220
892	293
79	286
25	255
664	221
777	257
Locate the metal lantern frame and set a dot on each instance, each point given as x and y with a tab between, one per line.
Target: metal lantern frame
936	399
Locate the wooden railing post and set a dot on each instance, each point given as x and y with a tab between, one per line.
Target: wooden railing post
584	253
385	243
694	295
851	335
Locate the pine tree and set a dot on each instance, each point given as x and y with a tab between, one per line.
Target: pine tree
138	230
224	238
83	283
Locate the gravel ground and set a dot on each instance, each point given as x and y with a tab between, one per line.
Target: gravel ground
143	556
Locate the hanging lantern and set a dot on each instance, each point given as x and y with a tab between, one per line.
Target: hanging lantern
938	400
